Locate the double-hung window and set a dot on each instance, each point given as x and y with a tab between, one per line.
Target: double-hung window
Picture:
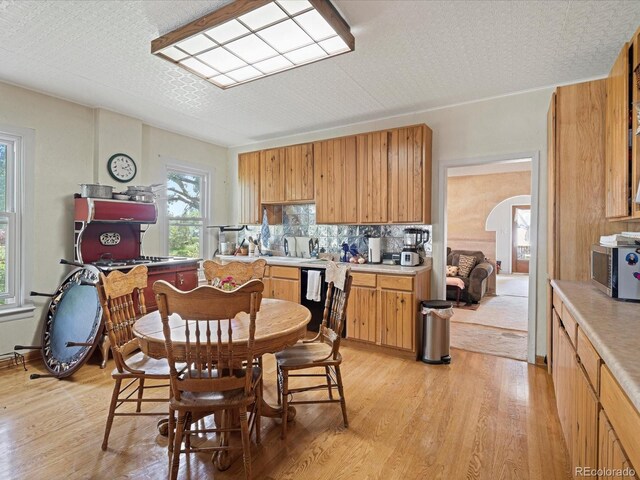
16	146
187	212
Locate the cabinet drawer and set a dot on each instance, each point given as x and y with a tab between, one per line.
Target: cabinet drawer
590	360
622	415
570	325
285	272
395	282
364	279
557	302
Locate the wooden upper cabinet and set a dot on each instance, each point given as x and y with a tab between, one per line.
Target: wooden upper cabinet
299	173
617	137
372	158
335	175
272	175
409	192
249	179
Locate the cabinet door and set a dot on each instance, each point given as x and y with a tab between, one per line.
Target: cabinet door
335	175
617	137
284	289
272	171
565	382
362	314
585	434
249	180
407	185
611	457
149	296
397	317
372	159
299	173
187	280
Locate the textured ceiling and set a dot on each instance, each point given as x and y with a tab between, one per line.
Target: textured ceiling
410	55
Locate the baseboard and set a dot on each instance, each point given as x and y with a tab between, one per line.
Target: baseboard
372	347
30	356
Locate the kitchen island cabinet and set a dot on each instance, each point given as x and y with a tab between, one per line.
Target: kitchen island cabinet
595	377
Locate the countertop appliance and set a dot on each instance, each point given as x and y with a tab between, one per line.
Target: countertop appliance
616	271
375	249
413	238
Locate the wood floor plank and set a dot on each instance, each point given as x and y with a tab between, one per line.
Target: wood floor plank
482	417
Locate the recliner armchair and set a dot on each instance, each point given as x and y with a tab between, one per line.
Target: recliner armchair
476	282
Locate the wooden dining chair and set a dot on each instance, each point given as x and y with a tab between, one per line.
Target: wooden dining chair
122	303
240	271
323	351
221	376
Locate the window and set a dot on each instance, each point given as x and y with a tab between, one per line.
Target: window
186	212
16	146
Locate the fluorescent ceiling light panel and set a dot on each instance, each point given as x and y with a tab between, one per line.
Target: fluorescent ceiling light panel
294	6
199	67
285	36
251	49
306	54
246	40
244	73
263	16
221	60
227	31
196	44
274	64
315	25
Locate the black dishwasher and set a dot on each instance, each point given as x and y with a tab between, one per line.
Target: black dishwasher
316	308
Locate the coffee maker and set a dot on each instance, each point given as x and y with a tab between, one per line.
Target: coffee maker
413	238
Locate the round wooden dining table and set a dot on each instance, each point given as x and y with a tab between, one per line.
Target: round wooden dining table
279	324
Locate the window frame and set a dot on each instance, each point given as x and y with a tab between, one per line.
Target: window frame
19	212
204	206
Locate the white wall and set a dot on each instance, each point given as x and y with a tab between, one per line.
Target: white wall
488	128
499	221
73	145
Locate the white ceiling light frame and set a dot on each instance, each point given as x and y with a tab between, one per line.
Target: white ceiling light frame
251	39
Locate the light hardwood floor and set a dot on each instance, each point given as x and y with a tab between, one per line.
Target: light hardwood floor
482	417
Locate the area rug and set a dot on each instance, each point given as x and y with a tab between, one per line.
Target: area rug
493	341
464	306
501	311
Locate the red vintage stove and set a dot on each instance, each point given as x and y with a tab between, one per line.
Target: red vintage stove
109	235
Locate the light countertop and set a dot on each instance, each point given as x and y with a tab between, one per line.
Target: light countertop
315	263
612	326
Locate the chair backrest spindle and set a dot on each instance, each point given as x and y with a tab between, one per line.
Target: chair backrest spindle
218	366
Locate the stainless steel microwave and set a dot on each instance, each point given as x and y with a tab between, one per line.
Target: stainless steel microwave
616	271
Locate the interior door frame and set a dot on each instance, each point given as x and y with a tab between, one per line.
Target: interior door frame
536	270
514	228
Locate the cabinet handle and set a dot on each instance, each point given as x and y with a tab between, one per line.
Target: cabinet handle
126	219
180	279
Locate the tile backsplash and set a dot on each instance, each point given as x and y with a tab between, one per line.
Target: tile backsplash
300	221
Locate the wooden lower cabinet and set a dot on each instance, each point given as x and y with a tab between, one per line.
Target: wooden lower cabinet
585	433
611	458
397	319
184	277
384	309
282	283
565	366
361	324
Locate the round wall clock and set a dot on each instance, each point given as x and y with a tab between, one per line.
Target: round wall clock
121	167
